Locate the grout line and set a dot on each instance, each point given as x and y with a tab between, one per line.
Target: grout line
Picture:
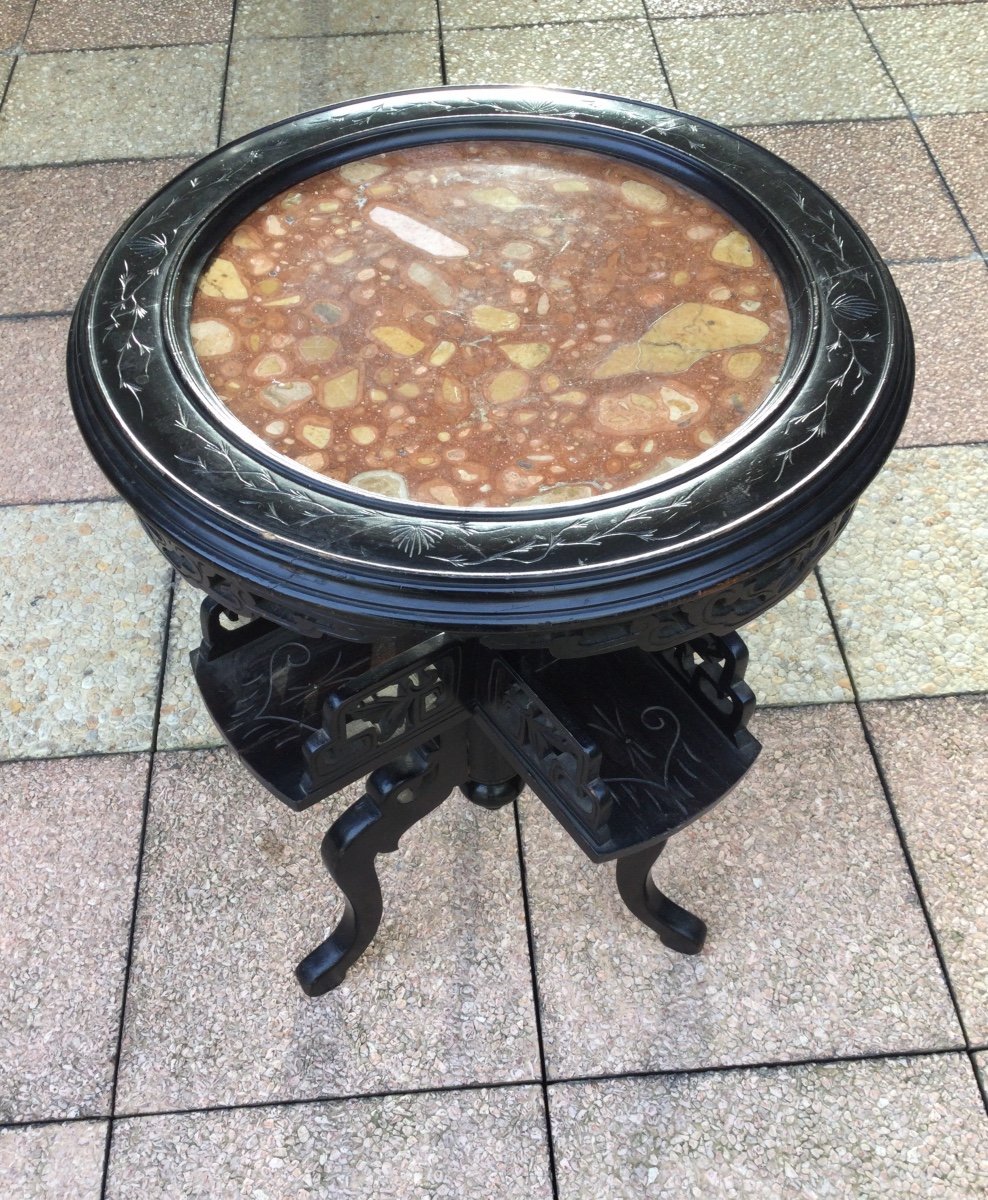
61	503
290	1102
48	53
655	42
341	35
162	666
502	1085
10	78
807	12
907	7
83	756
34	316
915	123
226	75
973	445
974	257
804	122
903	841
536	1000
766	1065
68	163
442	46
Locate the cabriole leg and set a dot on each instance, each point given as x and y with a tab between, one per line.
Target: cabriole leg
678	929
396	798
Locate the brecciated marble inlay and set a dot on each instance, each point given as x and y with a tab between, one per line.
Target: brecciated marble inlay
490	323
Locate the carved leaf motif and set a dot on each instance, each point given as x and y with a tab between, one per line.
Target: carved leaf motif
415	539
857	307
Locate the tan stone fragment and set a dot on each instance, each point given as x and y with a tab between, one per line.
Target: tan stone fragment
441	492
506	386
644	196
269	365
518	251
283	302
398	340
342	391
361	172
283	396
223	281
443	352
385	483
363	435
318	348
211	338
315	462
316	434
681	337
527	355
493	320
570	185
452	391
743	365
641	412
438	287
734	250
246	239
557	494
501	198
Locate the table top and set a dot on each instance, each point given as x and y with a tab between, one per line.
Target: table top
485	324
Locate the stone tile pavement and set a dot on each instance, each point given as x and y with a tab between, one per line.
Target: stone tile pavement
513	1032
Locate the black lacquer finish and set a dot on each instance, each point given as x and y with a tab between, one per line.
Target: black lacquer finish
623	749
585	649
701	549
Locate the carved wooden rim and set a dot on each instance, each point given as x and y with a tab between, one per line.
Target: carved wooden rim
791	470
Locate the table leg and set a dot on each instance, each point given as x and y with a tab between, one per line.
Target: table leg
678	929
397	796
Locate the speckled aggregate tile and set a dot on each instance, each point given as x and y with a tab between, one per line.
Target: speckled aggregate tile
276	78
907	581
740	70
960	146
69	876
880	171
233	894
743	8
96	104
816	943
184	723
946	303
53	1162
793	653
488	1144
14	16
69	25
867	1130
612	56
935	756
82	605
52	247
936	55
472	14
289	18
34	401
